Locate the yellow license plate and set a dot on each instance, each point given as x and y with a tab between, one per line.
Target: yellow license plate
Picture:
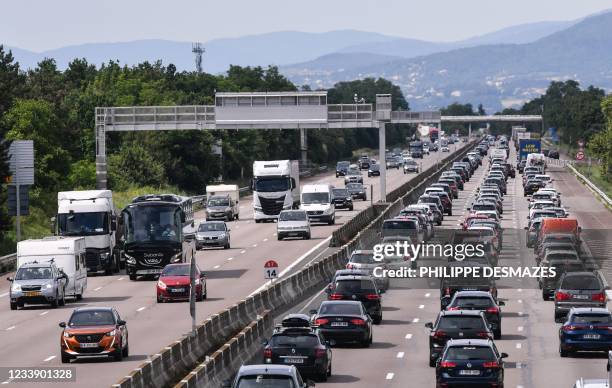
33	293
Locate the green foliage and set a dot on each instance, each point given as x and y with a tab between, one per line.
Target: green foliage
344	92
601	143
82	175
133	165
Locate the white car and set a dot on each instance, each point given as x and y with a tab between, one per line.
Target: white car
293	223
445	149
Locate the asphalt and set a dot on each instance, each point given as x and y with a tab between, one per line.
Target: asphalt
30	337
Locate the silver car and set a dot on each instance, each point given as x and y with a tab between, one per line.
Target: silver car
293	223
364	260
38	283
213	234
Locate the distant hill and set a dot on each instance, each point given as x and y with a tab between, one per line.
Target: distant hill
496	75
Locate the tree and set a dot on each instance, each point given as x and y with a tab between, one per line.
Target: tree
134	166
601	143
5	221
11	80
368	88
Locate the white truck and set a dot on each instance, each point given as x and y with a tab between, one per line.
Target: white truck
68	254
317	200
276	187
222	202
90	214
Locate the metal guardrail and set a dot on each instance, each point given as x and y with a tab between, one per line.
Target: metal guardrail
591	185
8	263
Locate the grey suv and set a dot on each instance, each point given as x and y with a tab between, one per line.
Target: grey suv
579	289
38	283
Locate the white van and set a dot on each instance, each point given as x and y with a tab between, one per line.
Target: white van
499	153
68	253
317	200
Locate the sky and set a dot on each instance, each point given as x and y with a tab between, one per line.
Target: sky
40	25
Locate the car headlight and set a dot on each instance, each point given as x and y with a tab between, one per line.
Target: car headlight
48	285
222	235
199	238
161	285
197	281
176	258
16	287
112	333
67	335
349	198
104	255
257	208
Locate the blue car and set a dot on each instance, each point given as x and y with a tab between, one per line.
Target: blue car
468	362
586	329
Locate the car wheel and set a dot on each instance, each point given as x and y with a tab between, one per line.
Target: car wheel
545	295
351	208
118	356
65	358
497	334
307	237
159	299
332	220
563	352
279	237
13	305
62	302
257	221
132	276
126	350
439	222
205	293
432	362
378	319
226	246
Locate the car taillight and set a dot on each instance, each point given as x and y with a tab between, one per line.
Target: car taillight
358	322
569	327
491	364
372	297
559	296
349	266
320	353
484	334
453	308
493	310
407	258
448	364
321	321
598	297
439	334
447	291
336	296
267	353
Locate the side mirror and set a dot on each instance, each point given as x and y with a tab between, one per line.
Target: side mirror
504	355
121	322
202	275
10	279
264	341
429	325
501	303
526	228
310	383
313	312
229	229
62	324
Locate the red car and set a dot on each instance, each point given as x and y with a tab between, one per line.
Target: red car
174	283
470	217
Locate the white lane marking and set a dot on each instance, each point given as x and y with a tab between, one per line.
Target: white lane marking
518	346
49	358
389	376
10	328
6	382
121	278
415	320
421	306
296	262
520	290
312	300
400	355
408	336
265	239
243	251
216	266
43	313
520	328
97	288
427	295
254	245
230	258
520	313
141	308
520	301
4	294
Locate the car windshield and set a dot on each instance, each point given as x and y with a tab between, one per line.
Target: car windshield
292	216
581	282
211	227
265	381
460	322
308	198
343	165
32	273
82	224
467	353
340	193
374	167
399	225
354	186
483	206
294	340
92	318
218	201
340	308
362	258
473	302
591	318
355	287
268	185
176	270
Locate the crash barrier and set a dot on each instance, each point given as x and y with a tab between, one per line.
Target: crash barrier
175	360
8	263
604	197
239	350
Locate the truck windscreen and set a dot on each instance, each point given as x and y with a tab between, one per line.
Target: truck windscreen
315	198
268	185
152	223
82	224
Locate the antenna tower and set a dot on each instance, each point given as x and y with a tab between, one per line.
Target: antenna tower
198	50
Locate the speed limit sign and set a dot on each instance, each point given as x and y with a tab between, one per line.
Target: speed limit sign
270	269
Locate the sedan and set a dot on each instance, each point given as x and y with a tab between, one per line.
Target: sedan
174	283
357	190
344	321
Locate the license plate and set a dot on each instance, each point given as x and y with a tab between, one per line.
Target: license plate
591	336
469	372
294	360
177	290
32	293
149	271
581	296
340	324
89	345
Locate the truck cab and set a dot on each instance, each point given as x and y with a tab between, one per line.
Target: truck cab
276	187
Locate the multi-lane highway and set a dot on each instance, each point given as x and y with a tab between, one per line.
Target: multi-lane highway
398	356
30	337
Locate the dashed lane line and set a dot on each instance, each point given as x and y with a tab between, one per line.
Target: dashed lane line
390	376
10	328
49	358
408	336
141	308
44	313
216	266
400	355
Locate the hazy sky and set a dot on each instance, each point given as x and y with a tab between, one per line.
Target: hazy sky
44	24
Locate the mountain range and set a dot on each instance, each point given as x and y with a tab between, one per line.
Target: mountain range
501	68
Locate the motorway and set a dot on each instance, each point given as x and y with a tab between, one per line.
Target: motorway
398	356
30	337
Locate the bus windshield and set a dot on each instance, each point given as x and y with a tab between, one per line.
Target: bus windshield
152	223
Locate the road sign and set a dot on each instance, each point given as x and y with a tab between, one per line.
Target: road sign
270	269
21	162
579	155
24	199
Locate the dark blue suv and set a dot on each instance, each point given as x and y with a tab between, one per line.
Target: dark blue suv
587	329
468	362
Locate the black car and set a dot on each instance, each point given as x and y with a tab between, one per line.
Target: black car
364	163
532	186
374	170
343	321
455	325
468	362
303	347
362	289
342	199
447	203
520	166
479	301
548	284
357	190
342	168
553	154
449	286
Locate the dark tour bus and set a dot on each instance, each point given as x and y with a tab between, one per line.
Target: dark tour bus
157	230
